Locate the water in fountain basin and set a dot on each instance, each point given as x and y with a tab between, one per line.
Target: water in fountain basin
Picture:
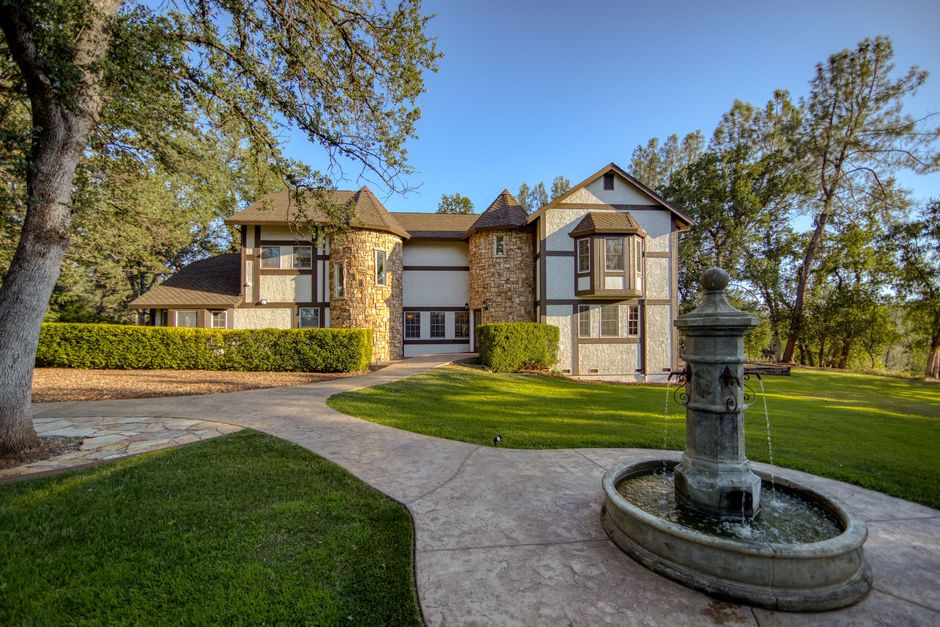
784	518
770	449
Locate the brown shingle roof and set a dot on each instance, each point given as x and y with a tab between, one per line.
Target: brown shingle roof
436	225
212	282
503	213
607	222
281	208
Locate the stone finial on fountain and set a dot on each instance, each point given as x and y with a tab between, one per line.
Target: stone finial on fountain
715	475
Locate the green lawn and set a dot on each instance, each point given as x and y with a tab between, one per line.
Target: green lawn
242	529
878	432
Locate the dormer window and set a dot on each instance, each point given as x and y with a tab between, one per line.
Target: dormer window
608	181
613	254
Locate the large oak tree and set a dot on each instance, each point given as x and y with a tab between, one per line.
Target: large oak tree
346	73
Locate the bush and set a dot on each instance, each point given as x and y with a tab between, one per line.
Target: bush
512	346
113	346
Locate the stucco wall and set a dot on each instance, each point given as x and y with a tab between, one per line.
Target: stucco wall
560	271
425	288
658	278
436	253
367	304
623	193
561	317
609	359
262	318
660	334
277	288
282	234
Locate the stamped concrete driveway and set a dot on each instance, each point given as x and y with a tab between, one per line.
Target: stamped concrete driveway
513	537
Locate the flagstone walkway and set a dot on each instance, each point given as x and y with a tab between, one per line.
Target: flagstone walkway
513	537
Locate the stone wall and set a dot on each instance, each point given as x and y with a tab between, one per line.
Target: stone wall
366	304
503	287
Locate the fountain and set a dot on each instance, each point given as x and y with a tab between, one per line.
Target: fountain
710	521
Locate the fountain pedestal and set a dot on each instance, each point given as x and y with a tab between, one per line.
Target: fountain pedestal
715	476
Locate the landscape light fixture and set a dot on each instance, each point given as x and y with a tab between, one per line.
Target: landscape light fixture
497	440
263	301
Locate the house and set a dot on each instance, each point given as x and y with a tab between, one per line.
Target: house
599	262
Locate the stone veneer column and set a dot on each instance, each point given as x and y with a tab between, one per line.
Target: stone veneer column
366	304
503	287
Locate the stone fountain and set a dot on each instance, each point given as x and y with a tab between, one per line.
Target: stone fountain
710	521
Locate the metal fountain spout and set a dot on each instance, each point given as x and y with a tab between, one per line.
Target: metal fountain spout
714	475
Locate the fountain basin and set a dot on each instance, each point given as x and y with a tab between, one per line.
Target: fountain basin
812	576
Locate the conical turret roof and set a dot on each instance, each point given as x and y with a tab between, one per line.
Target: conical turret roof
505	212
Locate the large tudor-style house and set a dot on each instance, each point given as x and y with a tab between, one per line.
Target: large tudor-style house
599	262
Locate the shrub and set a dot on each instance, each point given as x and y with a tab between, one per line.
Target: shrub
112	346
512	346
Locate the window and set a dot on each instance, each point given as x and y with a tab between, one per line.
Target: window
381	276
584	255
271	257
461	324
308	317
412	324
609	181
638	249
186	318
633	320
584	321
499	245
610	321
218	319
339	279
613	253
437	324
303	258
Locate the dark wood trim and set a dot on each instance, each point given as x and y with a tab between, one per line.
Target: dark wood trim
559	253
643	334
589	206
592	301
674	286
283	271
285	242
464	340
575	326
436	309
256	267
283	305
543	283
436	268
609	340
657	254
243	231
658	301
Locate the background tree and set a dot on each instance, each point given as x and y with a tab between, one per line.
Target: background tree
856	135
916	245
455	203
560	185
523	197
654	163
105	78
538	197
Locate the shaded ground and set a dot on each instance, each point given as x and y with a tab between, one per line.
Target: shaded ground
66	384
241	529
878	432
50	446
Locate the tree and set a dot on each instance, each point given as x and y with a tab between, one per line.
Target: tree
654	163
347	74
916	245
455	203
856	134
523	197
538	197
560	185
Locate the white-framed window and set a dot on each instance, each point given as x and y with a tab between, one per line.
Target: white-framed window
610	321
438	326
270	257
499	245
584	255
638	249
613	253
412	324
584	321
339	279
381	273
187	318
303	257
462	324
308	317
218	319
633	320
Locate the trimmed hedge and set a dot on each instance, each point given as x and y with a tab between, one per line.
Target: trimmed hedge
512	346
114	346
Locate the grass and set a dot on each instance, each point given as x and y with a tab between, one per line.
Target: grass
242	529
878	432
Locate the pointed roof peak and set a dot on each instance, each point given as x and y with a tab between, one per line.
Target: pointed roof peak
505	212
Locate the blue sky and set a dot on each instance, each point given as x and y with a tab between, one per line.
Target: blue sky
530	90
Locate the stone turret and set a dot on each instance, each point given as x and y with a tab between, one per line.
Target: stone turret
364	302
502	263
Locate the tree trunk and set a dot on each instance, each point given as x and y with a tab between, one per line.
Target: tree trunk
932	371
61	123
822	351
844	354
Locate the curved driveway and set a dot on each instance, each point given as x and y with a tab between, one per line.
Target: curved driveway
513	537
